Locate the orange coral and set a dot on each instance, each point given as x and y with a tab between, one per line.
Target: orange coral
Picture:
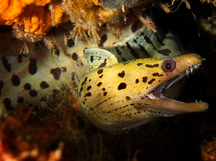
11	9
34	17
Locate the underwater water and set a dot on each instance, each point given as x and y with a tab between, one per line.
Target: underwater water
172	139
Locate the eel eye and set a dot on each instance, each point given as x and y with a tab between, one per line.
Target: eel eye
169	65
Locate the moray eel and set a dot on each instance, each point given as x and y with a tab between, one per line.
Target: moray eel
128	94
26	80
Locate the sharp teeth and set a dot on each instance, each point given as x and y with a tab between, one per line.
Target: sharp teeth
191	69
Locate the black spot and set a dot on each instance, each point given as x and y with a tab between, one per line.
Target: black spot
122	86
74	56
100	71
135	41
157	74
103	64
19	58
127	98
149	42
89	80
20	100
138	64
151	81
7	104
44	85
56	72
103	40
88	94
91	59
144	79
152	66
80	91
63	69
132	51
103	89
164	52
101	76
105	93
122	74
144	50
27	86
84	81
33	93
15	80
118	51
99	84
6	64
1	84
70	43
137	81
88	88
32	66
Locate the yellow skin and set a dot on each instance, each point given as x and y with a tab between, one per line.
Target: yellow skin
122	96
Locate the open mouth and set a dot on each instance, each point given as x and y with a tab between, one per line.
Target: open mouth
159	90
166	107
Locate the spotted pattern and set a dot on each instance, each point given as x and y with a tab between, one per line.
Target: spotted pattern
151	81
122	86
1	86
75	56
20	100
122	74
15	80
99	84
33	93
32	66
70	43
152	65
56	72
100	71
144	79
103	40
7	104
27	86
6	64
44	85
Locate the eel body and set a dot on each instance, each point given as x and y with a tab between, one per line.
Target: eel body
119	81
